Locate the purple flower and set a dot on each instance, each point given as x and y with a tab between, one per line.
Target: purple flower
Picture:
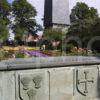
37	54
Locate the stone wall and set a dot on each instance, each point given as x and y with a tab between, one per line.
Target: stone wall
75	82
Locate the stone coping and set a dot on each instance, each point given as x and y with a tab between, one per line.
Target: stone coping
48	62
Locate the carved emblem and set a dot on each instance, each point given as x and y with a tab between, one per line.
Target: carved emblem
84	82
25	82
29	87
37	80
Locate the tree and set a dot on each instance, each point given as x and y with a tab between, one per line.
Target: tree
82	11
3	30
96	28
4	10
82	19
4	21
24	16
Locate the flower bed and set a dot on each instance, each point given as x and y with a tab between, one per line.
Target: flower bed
26	52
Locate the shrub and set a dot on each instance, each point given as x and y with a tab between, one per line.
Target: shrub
20	55
2	54
54	34
69	47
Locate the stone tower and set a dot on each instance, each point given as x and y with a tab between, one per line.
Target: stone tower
56	13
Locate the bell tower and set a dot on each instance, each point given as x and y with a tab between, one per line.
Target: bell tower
56	13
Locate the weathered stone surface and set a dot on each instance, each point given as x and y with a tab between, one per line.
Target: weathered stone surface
7	86
61	84
86	83
98	85
32	85
54	79
48	62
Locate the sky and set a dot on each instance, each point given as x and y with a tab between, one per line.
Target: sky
10	1
39	5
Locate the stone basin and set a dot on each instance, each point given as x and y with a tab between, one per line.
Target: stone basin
50	78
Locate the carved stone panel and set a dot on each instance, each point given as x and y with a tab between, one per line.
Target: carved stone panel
98	86
86	81
61	84
7	85
33	86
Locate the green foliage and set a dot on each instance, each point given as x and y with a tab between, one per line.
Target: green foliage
4	12
81	11
96	28
3	32
82	28
24	16
53	34
82	20
69	48
20	55
2	54
4	9
19	30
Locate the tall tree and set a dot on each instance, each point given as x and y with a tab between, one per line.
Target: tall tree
83	11
82	19
96	28
4	12
24	16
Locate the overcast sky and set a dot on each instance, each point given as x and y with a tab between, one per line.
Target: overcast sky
39	5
